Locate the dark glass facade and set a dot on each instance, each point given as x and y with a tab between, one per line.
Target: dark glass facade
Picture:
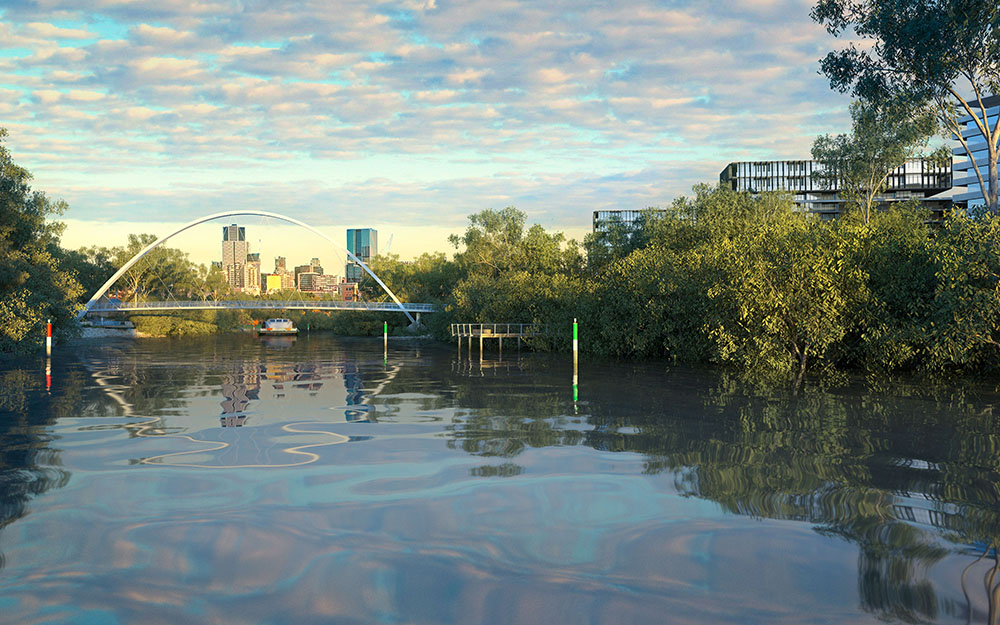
363	243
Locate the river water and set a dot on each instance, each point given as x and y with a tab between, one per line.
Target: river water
319	480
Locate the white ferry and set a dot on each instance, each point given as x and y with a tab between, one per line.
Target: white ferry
277	327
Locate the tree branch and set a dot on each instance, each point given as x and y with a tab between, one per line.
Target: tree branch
968	109
957	131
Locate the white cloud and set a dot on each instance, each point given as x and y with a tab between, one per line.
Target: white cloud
50	31
535	104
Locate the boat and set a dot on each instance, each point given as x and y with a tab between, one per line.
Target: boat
277	327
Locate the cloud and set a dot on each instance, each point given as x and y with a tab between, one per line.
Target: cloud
50	31
538	104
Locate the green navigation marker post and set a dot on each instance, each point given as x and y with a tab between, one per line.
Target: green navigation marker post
576	362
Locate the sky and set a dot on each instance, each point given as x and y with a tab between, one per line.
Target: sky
402	116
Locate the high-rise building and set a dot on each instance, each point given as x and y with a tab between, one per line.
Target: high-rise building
317	282
917	179
363	243
967	189
234	255
306	280
251	280
313	267
281	279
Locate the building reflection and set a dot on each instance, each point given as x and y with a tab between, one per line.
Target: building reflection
238	390
357	410
242	387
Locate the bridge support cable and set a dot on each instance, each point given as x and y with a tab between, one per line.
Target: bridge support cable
255	213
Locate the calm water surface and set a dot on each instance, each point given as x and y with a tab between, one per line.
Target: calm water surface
309	480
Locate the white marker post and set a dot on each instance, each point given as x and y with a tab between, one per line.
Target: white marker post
48	337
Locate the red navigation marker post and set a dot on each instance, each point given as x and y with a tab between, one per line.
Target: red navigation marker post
48	355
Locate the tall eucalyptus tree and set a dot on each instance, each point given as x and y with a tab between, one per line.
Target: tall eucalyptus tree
941	55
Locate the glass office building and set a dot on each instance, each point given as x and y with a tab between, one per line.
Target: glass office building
363	243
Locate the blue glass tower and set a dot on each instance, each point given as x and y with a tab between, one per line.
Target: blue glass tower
363	243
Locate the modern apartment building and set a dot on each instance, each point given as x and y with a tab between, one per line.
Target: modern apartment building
968	193
363	243
631	219
919	178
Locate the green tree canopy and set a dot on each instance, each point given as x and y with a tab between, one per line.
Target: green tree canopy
882	138
943	55
496	242
34	286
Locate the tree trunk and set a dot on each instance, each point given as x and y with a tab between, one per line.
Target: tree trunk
991	199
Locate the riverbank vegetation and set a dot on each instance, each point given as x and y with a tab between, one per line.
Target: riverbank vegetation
35	283
740	280
720	277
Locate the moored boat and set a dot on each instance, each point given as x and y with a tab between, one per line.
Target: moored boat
277	327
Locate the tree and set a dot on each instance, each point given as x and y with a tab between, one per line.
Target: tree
34	286
429	278
882	139
776	288
92	266
512	275
890	265
965	328
923	52
163	272
495	242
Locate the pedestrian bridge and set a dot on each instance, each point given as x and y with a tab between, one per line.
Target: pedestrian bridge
110	306
98	303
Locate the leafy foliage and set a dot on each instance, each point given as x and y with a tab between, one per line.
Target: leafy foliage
922	52
34	283
881	140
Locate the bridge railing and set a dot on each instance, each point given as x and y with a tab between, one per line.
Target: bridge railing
496	329
108	306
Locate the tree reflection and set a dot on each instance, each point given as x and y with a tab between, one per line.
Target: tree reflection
909	473
28	465
899	470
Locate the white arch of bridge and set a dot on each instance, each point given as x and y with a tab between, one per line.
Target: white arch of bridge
235	213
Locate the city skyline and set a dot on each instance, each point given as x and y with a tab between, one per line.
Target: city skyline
151	114
244	271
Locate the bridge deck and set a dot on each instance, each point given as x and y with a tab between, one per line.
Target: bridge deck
110	307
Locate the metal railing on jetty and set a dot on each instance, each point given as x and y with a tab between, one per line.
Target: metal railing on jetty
498	331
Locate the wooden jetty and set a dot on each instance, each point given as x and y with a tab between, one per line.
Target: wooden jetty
498	331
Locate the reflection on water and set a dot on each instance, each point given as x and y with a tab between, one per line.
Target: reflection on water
445	489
